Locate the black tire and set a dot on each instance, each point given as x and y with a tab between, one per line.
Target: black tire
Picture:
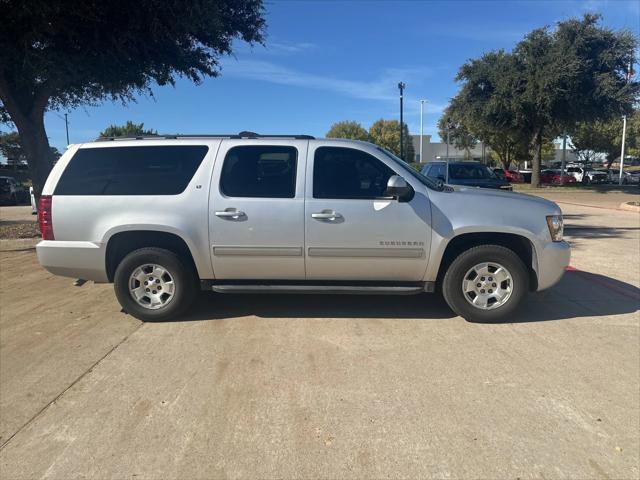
454	276
184	278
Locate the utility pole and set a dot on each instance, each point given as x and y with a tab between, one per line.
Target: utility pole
401	87
66	125
421	129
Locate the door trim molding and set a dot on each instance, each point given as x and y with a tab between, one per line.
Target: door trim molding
366	252
258	251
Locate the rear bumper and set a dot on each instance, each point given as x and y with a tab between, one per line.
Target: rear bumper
552	262
73	259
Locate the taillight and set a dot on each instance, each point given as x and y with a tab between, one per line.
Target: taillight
45	217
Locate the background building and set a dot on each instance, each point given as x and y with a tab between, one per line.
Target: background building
438	151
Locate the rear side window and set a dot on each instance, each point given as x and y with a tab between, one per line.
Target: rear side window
259	171
144	170
348	173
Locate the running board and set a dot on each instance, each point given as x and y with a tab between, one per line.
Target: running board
355	289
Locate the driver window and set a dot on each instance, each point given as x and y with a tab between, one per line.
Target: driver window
348	173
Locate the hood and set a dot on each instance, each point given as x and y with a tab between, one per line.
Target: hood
504	199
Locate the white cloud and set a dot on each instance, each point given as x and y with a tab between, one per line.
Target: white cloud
383	88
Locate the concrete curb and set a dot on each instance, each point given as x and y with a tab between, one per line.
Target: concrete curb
629	207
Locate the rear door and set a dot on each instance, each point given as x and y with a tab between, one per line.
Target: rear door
256	210
353	230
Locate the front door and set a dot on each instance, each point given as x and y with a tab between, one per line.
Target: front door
353	230
256	212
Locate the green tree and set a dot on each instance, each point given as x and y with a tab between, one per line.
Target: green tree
605	137
348	129
460	136
11	149
66	53
386	133
553	80
129	129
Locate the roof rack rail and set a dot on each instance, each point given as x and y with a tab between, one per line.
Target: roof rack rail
243	134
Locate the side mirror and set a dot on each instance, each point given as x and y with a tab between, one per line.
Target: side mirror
399	188
441	178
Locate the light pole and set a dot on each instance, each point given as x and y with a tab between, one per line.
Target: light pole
624	134
401	87
624	127
448	128
421	128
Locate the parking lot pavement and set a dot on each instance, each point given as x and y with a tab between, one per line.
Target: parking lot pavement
328	386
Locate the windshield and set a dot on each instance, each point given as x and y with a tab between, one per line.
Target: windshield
470	172
408	168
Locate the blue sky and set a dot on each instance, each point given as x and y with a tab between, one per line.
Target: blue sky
326	61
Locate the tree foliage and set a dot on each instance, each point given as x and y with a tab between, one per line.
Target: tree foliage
452	122
605	137
129	129
553	80
348	129
66	53
11	149
386	133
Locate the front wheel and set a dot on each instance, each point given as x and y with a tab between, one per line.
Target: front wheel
486	283
154	284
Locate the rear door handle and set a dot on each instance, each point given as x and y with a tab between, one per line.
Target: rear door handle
326	215
230	213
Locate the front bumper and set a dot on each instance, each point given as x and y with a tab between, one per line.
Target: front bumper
84	260
552	262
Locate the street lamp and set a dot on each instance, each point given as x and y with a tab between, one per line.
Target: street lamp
401	87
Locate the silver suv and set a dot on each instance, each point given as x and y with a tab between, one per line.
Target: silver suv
163	217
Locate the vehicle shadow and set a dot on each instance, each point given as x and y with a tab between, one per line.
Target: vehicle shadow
578	294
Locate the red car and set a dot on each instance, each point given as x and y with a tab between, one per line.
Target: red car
553	177
509	175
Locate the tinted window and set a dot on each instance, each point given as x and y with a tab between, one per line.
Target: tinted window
157	170
470	171
259	171
437	171
348	173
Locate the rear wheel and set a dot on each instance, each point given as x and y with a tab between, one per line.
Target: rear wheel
486	283
154	284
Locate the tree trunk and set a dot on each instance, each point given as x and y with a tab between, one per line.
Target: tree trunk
537	160
37	150
28	117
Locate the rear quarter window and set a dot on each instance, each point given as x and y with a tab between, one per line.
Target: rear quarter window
144	170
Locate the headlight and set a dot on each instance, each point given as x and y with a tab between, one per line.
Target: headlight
555	227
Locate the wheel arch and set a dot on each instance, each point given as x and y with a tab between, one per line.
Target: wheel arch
519	244
122	243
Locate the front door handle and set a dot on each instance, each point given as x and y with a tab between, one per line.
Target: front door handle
230	213
326	215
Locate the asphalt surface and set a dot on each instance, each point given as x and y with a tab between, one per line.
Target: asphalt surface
328	386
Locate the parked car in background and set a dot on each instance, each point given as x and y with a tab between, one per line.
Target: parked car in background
468	174
164	217
8	190
554	177
628	178
587	175
509	175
